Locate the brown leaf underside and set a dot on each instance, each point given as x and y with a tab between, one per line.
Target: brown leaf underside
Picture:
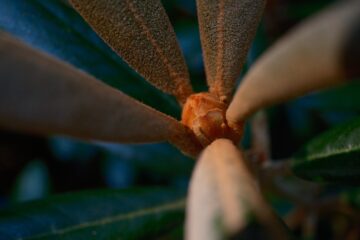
141	33
40	94
226	30
224	192
308	58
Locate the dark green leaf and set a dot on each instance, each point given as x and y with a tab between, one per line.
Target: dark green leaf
334	156
104	214
53	26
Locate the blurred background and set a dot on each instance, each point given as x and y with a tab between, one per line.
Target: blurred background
34	167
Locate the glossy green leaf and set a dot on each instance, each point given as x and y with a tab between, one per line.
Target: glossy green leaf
334	156
54	27
103	214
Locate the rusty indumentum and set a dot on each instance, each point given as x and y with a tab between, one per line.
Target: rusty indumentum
204	114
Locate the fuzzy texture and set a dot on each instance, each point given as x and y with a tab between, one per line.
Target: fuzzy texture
42	95
204	114
224	193
226	30
141	33
308	58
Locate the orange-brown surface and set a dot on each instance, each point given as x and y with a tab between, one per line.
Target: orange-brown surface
204	114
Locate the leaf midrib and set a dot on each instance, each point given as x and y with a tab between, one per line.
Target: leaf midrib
331	153
111	220
335	151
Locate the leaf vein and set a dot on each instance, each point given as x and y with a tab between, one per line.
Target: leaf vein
149	36
110	220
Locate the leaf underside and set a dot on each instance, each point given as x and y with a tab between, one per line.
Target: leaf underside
43	95
224	197
306	59
56	28
226	29
334	156
102	214
141	33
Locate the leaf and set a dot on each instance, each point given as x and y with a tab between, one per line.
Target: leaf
333	156
101	214
308	58
43	95
226	30
56	28
224	196
141	33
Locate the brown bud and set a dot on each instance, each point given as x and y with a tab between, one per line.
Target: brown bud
204	114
